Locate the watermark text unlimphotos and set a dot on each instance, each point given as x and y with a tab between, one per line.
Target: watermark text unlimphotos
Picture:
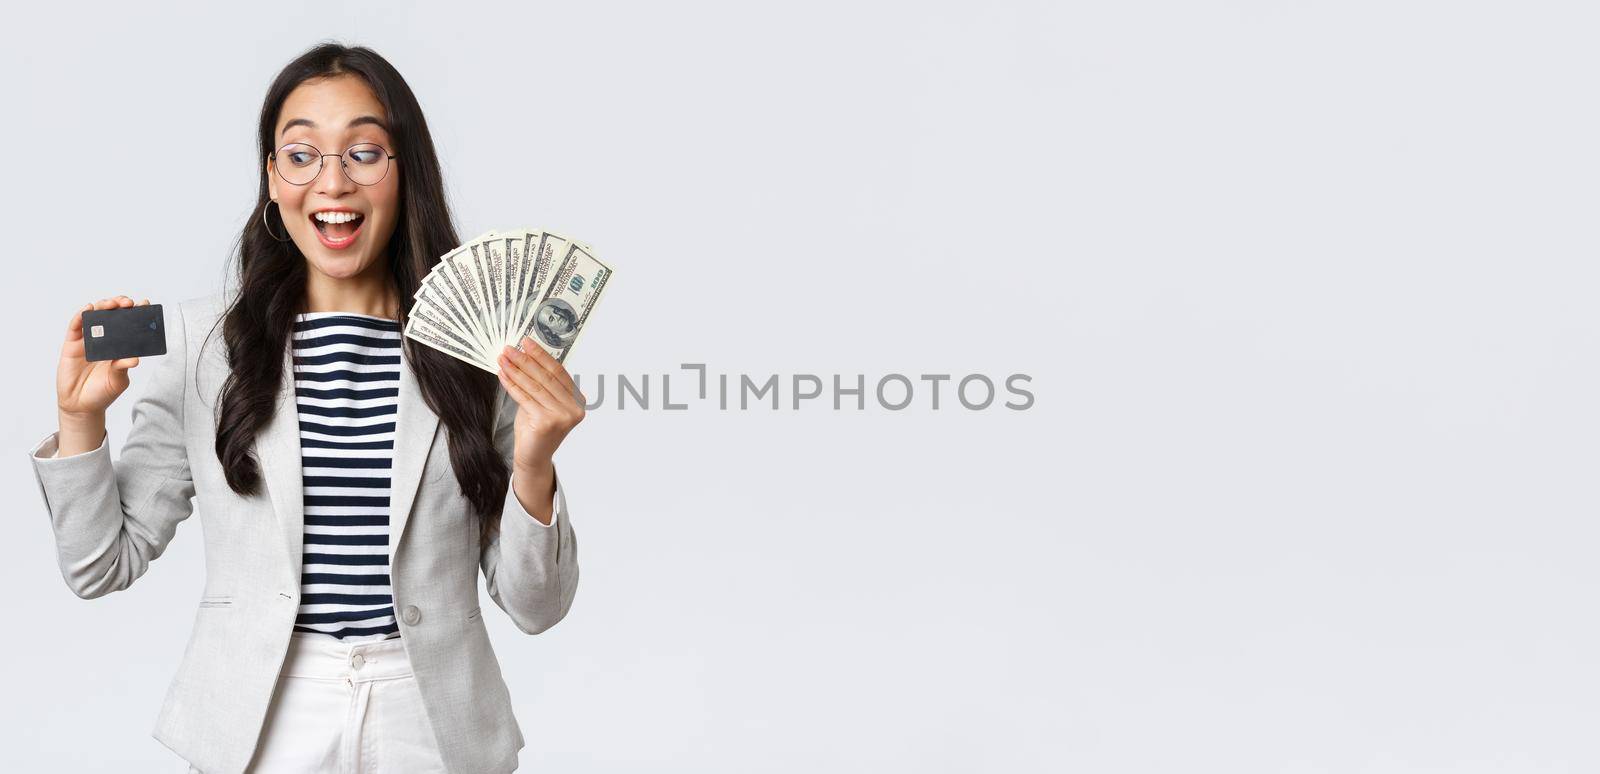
695	387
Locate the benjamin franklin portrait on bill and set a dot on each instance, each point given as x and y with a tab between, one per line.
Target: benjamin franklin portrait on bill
556	323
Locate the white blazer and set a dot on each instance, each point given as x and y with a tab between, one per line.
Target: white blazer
112	518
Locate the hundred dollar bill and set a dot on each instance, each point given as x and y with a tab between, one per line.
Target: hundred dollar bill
443	304
421	331
461	266
511	244
541	250
490	262
425	313
503	250
570	296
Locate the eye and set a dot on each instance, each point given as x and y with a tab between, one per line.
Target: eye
297	154
366	155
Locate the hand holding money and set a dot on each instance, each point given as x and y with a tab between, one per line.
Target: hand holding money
513	303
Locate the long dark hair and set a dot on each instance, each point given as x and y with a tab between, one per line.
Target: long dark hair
272	281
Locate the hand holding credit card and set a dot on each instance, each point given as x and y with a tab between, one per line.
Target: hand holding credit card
104	340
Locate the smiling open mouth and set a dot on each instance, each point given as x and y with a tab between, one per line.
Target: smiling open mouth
337	229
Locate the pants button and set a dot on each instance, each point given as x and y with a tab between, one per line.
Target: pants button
356	661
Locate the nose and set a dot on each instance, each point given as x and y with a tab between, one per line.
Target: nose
331	180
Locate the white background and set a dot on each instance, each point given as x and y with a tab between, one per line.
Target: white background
1305	289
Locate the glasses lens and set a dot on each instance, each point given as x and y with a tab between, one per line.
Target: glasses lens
366	163
298	163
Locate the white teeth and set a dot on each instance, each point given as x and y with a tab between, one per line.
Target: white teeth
335	217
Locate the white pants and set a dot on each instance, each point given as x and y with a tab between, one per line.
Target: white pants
346	709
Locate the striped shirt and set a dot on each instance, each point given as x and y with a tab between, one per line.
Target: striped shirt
346	386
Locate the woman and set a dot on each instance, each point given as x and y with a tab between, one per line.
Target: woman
351	484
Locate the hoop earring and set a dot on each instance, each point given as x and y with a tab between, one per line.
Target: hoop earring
264	223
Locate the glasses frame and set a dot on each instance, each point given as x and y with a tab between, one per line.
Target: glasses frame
322	161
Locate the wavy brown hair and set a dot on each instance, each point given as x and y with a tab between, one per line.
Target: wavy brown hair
272	281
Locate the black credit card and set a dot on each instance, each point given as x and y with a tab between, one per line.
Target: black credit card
131	331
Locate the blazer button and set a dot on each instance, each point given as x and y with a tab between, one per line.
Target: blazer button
412	615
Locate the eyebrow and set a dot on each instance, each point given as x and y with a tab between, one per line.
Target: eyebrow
354	122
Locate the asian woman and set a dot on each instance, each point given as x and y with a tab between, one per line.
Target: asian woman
351	484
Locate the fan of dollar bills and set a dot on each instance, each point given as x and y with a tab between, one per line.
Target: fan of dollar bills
503	285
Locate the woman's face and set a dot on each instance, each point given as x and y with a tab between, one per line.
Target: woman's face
331	114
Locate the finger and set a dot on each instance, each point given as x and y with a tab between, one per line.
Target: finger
145	302
123	364
552	386
561	374
555	379
548	361
521	396
124	301
519	375
105	303
75	325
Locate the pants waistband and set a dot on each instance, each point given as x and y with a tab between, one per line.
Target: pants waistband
324	657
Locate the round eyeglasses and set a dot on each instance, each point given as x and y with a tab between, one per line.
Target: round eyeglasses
364	163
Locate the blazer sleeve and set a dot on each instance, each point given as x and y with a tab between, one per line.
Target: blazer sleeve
112	518
530	569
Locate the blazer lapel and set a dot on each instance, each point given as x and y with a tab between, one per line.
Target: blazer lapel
414	432
278	447
278	451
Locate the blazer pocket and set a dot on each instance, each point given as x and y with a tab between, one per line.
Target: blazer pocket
221	600
476	612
